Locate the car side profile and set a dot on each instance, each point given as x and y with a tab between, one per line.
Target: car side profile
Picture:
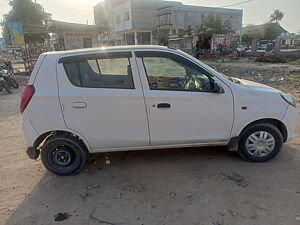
146	97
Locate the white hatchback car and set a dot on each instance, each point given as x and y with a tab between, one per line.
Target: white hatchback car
146	97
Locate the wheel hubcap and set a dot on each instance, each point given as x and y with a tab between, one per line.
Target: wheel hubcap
260	143
62	156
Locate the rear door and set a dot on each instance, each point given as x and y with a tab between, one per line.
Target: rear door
182	109
102	99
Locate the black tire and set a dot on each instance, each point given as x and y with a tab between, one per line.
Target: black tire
13	82
70	148
265	127
7	86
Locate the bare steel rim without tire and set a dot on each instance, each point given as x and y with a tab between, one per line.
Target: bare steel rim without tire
260	143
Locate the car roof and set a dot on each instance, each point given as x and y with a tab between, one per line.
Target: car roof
109	48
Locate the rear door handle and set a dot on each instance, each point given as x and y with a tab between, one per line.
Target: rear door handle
163	105
79	105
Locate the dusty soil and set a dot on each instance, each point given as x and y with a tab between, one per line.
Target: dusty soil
205	186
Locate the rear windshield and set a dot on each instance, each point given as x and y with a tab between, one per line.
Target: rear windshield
102	72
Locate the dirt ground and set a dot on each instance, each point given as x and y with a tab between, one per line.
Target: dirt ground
197	186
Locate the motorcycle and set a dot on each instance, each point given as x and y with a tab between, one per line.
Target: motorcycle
8	66
8	77
4	84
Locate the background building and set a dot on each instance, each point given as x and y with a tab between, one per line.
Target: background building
141	21
66	36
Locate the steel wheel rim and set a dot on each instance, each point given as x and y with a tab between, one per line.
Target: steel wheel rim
62	156
260	144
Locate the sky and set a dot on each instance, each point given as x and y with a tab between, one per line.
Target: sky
255	11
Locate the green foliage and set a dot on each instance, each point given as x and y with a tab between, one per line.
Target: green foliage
213	25
276	16
252	33
268	31
297	77
189	31
32	17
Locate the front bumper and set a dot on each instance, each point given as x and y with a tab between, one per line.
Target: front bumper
290	121
33	153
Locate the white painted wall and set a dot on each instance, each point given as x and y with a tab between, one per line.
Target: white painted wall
122	17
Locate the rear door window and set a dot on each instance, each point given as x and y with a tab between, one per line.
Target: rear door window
100	72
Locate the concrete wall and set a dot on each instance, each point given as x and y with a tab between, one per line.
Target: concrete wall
71	40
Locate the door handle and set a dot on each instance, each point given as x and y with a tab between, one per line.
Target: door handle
79	105
163	105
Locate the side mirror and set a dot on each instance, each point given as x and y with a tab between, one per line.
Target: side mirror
217	88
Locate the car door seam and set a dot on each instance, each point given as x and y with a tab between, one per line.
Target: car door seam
146	109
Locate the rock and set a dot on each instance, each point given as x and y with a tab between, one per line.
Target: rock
233	213
96	185
11	209
298	218
141	188
172	194
189	196
118	196
84	194
128	188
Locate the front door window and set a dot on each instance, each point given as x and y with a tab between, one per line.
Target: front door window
165	73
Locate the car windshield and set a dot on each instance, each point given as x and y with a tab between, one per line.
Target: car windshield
223	75
226	77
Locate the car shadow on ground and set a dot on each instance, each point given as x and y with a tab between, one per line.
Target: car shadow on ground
178	186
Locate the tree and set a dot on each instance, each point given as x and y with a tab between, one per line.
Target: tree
252	32
271	31
33	18
213	25
276	16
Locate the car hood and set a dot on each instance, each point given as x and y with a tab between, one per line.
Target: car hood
256	86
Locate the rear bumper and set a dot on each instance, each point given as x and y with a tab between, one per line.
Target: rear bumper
290	121
28	131
33	153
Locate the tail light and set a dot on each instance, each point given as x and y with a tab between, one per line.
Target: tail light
27	94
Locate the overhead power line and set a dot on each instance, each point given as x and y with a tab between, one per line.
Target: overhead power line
237	3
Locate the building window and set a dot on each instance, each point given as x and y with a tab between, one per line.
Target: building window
119	19
186	18
126	16
144	38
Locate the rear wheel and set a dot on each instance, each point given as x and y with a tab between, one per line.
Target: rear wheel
260	142
63	155
13	82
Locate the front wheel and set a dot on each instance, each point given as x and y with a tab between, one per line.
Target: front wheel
63	155
260	142
13	83
6	86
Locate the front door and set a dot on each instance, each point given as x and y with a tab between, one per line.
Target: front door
182	109
102	100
